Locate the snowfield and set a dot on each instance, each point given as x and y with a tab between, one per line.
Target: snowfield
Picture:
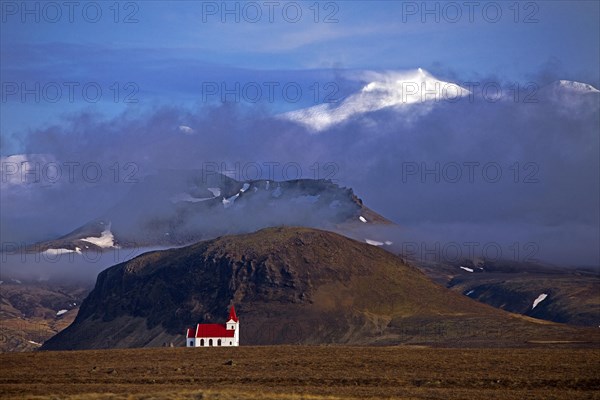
105	241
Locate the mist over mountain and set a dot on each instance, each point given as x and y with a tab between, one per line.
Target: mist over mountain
184	206
488	169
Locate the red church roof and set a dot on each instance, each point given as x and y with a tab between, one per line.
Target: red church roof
211	330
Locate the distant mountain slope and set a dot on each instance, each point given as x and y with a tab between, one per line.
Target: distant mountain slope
560	294
175	208
31	312
290	285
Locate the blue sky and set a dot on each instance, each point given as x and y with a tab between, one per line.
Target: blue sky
167	49
357	34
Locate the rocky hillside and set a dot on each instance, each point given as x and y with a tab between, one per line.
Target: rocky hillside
290	285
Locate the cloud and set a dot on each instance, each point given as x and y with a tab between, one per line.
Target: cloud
504	170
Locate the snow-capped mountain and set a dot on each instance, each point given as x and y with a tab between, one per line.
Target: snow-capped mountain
384	90
570	97
573	87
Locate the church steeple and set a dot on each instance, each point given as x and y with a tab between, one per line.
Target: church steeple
232	315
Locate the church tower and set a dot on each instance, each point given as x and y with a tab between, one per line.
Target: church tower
233	323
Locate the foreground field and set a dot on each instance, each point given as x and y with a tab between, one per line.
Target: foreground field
311	372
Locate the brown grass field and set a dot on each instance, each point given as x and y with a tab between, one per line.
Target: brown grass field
303	372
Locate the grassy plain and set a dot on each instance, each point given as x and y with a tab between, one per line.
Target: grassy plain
304	372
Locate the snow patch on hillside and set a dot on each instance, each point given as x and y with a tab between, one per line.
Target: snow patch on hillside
539	299
105	241
61	251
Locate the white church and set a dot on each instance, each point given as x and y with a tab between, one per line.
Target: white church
219	335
